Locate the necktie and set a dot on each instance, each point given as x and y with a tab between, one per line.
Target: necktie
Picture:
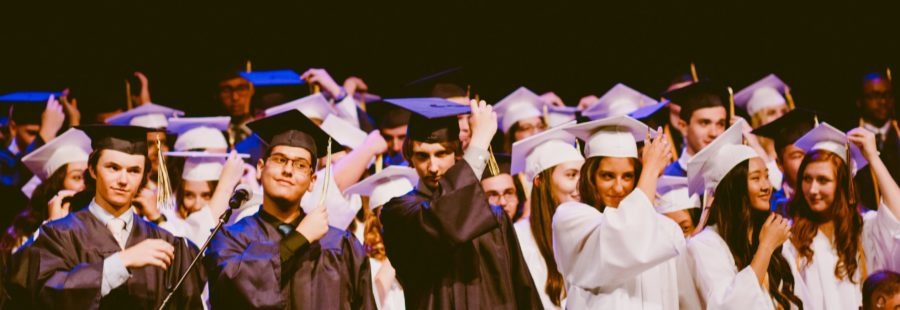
285	229
117	228
879	141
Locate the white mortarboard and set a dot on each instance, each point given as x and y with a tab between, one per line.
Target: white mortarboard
620	100
343	131
393	181
560	115
519	105
202	166
707	168
825	137
543	151
199	132
71	146
763	94
313	106
148	115
673	195
612	137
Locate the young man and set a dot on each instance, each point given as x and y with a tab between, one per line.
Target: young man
876	106
784	131
450	248
105	256
702	118
392	123
282	257
503	191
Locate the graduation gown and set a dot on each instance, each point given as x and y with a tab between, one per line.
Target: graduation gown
537	266
890	155
452	250
622	258
881	245
68	257
721	284
246	270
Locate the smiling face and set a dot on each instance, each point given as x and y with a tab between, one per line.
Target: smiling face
759	189
196	195
615	179
704	126
119	176
286	175
819	185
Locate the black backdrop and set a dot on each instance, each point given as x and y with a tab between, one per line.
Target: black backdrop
571	48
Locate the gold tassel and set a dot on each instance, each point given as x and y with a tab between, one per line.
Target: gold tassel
789	98
128	102
164	198
816	119
694	75
546	116
379	163
887	73
327	175
730	104
249	68
672	149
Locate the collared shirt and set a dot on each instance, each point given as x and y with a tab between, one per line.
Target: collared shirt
883	130
684	159
114	272
291	240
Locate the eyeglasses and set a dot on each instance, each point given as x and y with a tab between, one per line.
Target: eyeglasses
299	164
508	195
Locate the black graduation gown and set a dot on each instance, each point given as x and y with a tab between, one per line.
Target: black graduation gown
69	256
890	155
454	251
245	268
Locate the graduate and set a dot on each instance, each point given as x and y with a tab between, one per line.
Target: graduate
833	247
105	256
520	115
552	162
283	257
783	132
875	104
394	181
451	249
612	248
736	257
702	117
391	122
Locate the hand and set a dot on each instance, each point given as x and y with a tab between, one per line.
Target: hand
656	154
774	232
587	102
375	143
482	124
146	204
232	171
249	177
51	119
321	77
150	252
145	87
865	141
552	99
314	226
70	107
56	208
354	84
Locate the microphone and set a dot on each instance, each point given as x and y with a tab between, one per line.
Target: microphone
240	195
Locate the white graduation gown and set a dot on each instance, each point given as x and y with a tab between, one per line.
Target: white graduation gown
623	258
196	227
880	235
395	299
722	285
535	261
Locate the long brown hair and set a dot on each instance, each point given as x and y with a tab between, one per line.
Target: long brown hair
543	206
734	218
373	242
587	182
842	212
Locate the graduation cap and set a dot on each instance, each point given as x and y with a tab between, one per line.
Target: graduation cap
71	146
789	127
127	139
619	100
433	120
344	132
28	106
707	168
199	133
560	115
612	137
826	137
292	128
763	94
518	105
543	151
282	77
393	181
698	95
387	115
149	115
202	166
673	195
314	106
450	83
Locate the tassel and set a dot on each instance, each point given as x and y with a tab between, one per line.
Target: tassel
694	73
327	174
789	98
164	198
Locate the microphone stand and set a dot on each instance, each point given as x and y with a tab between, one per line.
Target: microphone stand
225	216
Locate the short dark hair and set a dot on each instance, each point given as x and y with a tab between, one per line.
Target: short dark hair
701	101
884	282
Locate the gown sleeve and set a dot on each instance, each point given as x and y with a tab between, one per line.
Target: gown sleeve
881	240
63	283
597	250
721	284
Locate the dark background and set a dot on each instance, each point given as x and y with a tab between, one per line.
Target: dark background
574	49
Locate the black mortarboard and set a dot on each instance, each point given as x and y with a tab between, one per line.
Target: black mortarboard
126	139
292	128
703	94
432	120
387	115
447	83
789	127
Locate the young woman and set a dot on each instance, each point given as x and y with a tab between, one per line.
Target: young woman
551	161
613	249
736	258
833	247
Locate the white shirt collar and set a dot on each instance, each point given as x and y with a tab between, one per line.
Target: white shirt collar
878	130
104	216
684	159
13	146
